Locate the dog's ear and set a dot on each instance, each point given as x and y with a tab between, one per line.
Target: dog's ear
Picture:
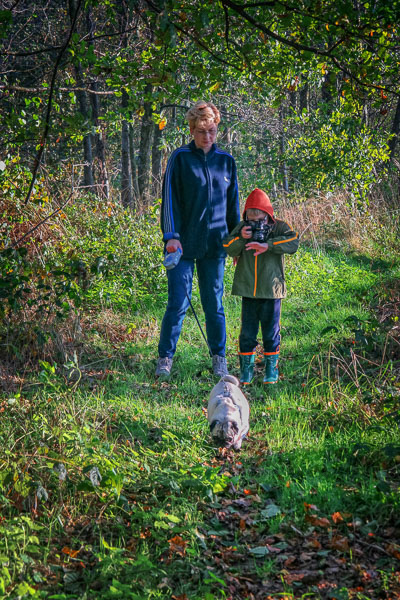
213	424
234	426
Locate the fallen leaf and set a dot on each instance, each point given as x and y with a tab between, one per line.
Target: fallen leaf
340	543
394	550
289	561
272	510
313	543
337	517
318	521
305	556
259	551
70	552
291	577
177	545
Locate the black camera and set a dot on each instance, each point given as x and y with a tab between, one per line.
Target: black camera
260	230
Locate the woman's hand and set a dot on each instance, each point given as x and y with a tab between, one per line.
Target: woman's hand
258	247
173	245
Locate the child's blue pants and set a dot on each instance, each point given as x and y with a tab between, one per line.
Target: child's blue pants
256	311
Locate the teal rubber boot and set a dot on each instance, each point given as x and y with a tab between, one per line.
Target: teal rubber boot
271	368
246	368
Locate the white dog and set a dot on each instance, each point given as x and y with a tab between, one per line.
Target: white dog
228	413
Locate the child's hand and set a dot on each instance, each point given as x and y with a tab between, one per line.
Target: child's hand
246	232
258	247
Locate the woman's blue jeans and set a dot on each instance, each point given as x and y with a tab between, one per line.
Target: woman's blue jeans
210	274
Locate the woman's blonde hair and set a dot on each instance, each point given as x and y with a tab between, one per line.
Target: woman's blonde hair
203	112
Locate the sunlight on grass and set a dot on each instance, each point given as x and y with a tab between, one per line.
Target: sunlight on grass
110	486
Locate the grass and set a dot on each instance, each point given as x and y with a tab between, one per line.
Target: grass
110	487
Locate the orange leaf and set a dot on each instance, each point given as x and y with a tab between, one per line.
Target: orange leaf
242	524
145	534
337	517
291	577
394	550
318	521
70	552
289	561
162	124
178	545
247	492
313	543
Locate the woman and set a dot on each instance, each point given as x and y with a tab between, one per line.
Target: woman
200	206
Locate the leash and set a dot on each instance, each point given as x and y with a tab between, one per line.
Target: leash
198	323
171	259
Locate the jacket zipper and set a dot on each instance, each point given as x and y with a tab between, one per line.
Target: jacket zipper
255	275
208	197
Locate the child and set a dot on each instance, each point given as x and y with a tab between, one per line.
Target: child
260	280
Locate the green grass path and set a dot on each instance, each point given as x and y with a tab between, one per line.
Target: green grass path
110	487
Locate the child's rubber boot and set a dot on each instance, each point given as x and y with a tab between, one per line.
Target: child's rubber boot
271	368
246	368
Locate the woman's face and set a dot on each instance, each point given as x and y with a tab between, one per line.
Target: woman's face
204	135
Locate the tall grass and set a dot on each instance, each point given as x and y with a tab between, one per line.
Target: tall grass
109	484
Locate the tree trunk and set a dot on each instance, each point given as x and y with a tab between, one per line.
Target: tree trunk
100	152
126	184
146	134
87	142
283	166
135	186
395	131
156	157
88	181
303	97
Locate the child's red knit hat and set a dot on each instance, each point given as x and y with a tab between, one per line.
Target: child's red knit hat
259	199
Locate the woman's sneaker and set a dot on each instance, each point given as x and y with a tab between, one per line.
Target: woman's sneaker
164	366
219	365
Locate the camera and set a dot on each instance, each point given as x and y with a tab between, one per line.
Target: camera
261	230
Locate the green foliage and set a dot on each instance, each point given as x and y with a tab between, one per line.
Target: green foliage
334	151
108	257
127	270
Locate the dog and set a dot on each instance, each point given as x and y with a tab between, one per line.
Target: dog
228	413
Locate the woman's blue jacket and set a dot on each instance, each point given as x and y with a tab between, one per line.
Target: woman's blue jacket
200	200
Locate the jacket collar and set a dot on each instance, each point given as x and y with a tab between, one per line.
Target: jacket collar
200	151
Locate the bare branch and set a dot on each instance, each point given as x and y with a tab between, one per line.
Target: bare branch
49	105
28	233
18	88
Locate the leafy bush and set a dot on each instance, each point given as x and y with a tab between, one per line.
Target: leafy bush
335	151
93	254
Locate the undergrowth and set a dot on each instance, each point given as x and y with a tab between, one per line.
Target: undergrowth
109	484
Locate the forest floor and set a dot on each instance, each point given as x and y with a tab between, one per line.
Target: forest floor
110	486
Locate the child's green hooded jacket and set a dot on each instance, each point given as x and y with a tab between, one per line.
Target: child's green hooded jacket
262	276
